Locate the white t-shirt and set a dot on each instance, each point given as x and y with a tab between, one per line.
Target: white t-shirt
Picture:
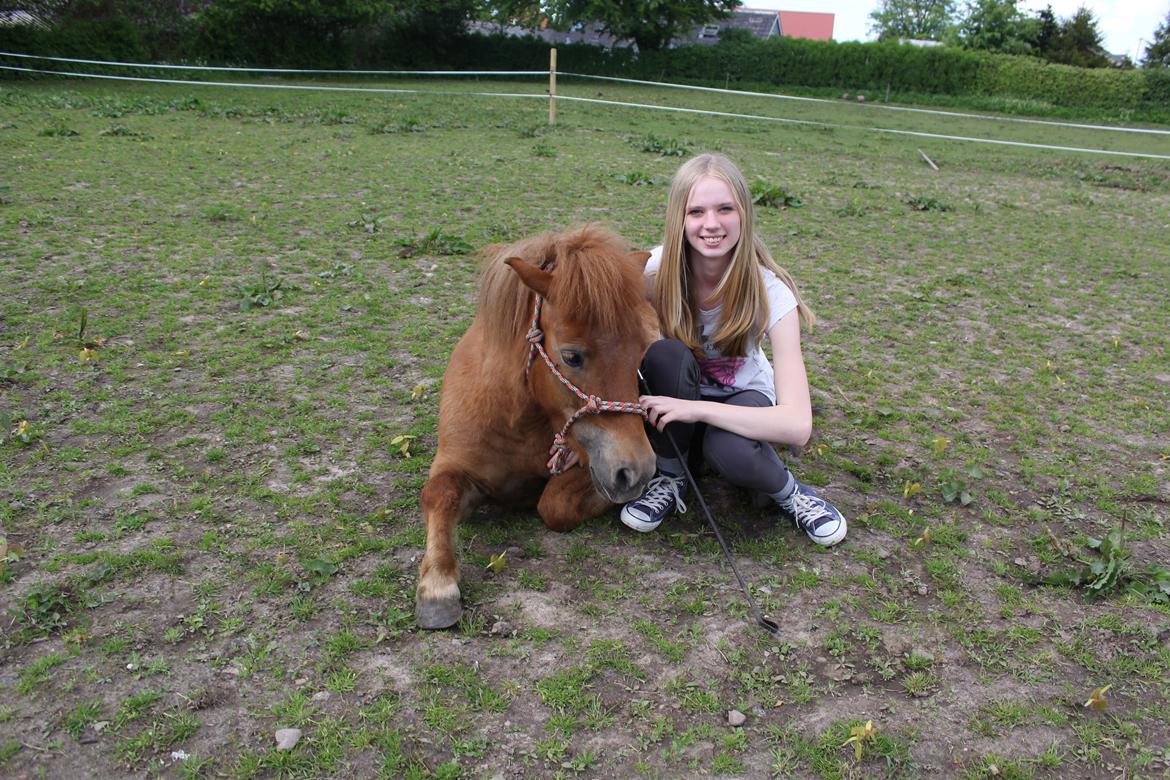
723	376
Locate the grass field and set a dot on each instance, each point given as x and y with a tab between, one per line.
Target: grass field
224	323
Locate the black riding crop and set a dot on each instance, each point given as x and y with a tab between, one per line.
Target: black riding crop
768	625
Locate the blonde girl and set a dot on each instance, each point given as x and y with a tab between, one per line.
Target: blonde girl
719	294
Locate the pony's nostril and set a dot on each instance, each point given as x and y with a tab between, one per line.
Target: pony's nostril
624	478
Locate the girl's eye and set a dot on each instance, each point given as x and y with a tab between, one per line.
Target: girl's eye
572	358
695	213
726	209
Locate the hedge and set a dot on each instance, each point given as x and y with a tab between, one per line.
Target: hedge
775	62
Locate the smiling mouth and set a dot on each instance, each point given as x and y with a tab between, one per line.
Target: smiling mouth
711	240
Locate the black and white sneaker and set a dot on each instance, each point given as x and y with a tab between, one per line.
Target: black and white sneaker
663	495
814	515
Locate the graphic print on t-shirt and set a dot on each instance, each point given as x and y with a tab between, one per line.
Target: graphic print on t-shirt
721	371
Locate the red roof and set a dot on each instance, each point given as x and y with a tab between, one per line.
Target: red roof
806	24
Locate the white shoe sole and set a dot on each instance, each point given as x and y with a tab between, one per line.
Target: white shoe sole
636	523
833	538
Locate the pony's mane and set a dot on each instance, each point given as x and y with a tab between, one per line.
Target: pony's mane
591	278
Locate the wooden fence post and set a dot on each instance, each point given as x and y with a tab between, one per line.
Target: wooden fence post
552	86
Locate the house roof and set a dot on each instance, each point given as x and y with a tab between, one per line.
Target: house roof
761	24
806	24
766	23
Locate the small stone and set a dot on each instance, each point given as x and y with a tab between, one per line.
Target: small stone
300	681
321	696
735	718
882	553
287	739
501	628
515	553
840	673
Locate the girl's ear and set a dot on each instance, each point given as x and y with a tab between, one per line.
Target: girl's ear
534	279
639	259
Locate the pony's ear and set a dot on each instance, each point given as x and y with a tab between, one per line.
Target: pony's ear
640	259
534	279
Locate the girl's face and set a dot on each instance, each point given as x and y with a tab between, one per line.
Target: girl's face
712	219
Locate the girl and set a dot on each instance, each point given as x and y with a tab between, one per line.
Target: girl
718	292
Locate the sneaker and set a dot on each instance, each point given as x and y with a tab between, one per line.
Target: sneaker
662	496
814	515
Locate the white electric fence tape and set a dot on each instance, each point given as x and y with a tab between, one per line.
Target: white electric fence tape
961	115
598	101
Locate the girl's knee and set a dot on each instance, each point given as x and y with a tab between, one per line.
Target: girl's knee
670	368
667	352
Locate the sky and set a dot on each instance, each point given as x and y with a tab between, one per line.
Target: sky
1126	25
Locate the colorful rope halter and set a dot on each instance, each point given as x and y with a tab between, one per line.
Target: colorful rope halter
593	404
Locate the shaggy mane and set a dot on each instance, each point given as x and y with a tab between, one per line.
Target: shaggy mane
592	278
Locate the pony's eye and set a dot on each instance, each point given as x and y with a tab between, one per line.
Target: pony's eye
572	358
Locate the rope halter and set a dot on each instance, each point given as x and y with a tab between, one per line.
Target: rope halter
592	404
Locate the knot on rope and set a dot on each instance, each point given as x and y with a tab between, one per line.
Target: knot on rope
534	335
560	454
593	405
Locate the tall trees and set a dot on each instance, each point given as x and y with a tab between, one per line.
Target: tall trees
650	23
329	33
118	29
995	25
1158	52
914	19
1078	42
1044	32
283	32
1000	26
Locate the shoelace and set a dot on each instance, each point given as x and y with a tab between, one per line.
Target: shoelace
661	489
803	504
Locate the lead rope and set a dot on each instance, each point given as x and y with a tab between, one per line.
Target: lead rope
593	404
769	625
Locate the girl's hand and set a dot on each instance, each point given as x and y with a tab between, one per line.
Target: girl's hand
663	409
570	461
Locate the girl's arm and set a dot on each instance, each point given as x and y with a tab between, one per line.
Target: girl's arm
788	422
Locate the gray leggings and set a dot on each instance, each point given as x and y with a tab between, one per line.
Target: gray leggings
671	369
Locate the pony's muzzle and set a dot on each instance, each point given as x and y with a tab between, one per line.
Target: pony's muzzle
621	465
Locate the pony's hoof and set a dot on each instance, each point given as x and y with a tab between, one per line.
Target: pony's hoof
436	613
438	607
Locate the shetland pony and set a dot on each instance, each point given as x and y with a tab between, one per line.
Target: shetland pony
551	357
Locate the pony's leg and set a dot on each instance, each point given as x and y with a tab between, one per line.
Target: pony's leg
570	498
446	499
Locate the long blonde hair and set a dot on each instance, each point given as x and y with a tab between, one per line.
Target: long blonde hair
744	314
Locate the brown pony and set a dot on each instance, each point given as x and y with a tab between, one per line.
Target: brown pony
501	405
